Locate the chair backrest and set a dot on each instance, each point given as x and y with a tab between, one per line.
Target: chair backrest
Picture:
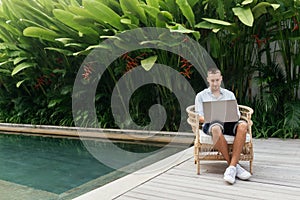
193	118
246	113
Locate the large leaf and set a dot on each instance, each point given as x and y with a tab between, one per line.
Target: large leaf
169	5
5	62
41	33
180	29
163	18
103	13
32	11
152	11
32	23
216	21
206	25
246	2
69	19
244	14
193	2
18	59
133	7
153	3
261	8
113	4
215	45
46	4
6	25
21	67
10	46
80	11
186	11
148	63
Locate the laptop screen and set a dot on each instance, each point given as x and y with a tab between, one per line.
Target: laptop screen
224	111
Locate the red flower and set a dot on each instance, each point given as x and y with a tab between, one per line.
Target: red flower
132	62
88	69
186	66
42	81
259	41
296	24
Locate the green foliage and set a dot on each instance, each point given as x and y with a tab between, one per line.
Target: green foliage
44	42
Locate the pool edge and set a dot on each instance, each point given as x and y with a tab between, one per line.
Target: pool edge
120	186
98	133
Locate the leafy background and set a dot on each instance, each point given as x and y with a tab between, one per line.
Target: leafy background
255	43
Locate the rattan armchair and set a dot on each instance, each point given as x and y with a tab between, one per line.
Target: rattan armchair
203	144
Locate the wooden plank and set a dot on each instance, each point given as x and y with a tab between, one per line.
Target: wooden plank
128	197
174	193
198	182
139	195
209	189
217	184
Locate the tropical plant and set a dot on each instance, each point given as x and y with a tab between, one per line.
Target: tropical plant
43	43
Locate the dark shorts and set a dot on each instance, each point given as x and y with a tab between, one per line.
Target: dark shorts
228	128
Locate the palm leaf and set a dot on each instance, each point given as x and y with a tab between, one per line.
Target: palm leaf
292	115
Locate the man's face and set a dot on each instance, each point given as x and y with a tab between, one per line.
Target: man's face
214	81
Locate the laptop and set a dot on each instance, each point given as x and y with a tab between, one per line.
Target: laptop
224	111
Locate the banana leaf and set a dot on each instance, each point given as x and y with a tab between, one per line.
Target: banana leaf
102	13
186	11
68	19
133	7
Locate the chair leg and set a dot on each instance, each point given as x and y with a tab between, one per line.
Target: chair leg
198	166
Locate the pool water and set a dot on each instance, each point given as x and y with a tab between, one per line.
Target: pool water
55	165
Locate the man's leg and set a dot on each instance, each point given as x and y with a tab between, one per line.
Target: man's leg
239	142
220	142
234	169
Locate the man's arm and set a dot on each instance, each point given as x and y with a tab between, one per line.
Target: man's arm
199	107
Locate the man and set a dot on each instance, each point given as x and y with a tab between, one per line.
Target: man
217	129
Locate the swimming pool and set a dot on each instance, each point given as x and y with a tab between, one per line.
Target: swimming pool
37	167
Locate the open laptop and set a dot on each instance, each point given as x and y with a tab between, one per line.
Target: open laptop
224	111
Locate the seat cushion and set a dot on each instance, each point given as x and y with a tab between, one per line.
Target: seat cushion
207	139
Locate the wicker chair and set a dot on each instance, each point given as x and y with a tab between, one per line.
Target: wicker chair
203	144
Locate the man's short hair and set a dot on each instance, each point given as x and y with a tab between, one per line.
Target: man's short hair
213	70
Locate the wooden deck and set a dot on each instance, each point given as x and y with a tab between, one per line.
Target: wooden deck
276	176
